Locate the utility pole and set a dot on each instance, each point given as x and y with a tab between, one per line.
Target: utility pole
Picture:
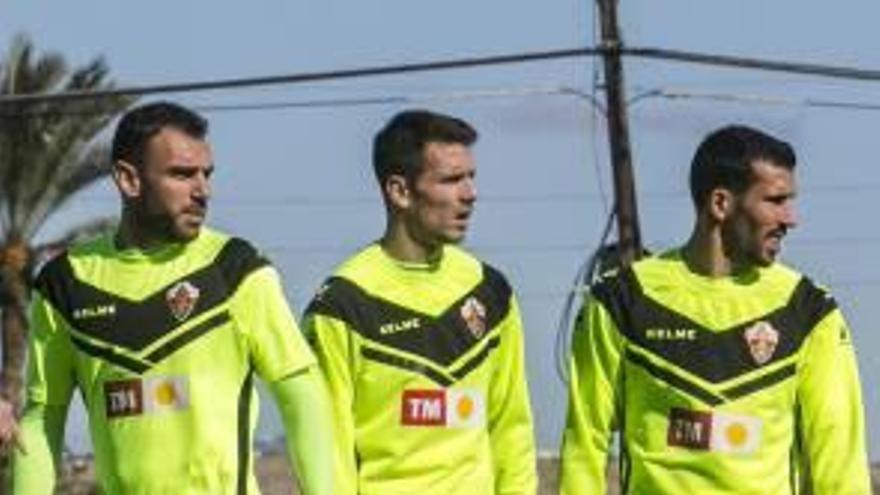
628	236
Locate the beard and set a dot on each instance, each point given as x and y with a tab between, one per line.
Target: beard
161	226
746	246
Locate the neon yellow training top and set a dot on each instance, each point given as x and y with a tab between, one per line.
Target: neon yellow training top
425	367
736	385
163	348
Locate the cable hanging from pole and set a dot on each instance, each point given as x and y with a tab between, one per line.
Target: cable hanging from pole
807	69
840	72
304	77
342	102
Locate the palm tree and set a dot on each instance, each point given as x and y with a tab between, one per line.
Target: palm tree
49	151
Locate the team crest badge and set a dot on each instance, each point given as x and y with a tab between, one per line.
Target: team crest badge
182	298
473	312
761	339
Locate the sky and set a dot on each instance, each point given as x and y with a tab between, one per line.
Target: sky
296	180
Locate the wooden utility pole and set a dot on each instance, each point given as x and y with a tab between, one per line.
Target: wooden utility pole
629	238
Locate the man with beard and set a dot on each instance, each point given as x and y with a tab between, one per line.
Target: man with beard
420	342
723	371
163	327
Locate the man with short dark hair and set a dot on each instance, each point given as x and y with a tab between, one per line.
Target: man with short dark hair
724	371
163	327
420	342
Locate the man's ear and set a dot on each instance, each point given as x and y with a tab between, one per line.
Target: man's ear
398	192
127	179
721	204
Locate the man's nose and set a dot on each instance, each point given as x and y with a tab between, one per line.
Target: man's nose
201	186
469	190
789	216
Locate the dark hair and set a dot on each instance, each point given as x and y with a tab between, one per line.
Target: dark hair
725	158
140	124
398	147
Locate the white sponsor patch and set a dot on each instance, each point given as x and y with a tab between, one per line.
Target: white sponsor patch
166	393
465	408
735	433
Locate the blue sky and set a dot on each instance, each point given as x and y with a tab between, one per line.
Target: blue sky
297	181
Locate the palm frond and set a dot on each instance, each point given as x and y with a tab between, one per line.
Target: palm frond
23	75
89	169
49	151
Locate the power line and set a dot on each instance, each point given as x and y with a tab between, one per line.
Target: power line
833	71
304	77
467	95
486	93
840	72
446	96
760	99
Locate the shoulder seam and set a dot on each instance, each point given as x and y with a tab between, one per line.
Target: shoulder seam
236	260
